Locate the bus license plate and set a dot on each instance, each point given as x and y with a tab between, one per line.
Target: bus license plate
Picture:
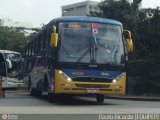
92	90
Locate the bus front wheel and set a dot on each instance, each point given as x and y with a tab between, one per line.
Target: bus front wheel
100	98
32	92
53	97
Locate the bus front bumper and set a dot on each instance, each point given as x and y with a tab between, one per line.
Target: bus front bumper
62	86
90	89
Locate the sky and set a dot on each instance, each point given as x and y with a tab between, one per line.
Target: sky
40	12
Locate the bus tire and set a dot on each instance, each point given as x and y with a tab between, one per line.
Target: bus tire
32	92
39	88
38	93
100	98
52	97
46	84
29	83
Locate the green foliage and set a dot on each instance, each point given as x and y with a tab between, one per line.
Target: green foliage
120	10
149	33
143	23
12	39
126	12
145	27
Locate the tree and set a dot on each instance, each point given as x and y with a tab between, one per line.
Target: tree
124	11
12	39
121	10
145	27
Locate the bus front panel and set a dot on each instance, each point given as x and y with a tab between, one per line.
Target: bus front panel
73	81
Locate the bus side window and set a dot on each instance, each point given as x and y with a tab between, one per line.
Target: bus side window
40	39
31	49
38	45
28	51
36	48
47	40
44	39
35	45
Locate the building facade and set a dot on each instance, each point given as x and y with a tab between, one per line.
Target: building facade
80	9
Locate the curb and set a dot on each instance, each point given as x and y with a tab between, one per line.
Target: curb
135	98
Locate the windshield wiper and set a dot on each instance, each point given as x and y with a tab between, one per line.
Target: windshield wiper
90	49
95	49
83	55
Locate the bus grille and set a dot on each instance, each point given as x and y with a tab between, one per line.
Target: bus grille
91	79
91	86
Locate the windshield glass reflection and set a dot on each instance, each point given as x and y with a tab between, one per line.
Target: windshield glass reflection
90	43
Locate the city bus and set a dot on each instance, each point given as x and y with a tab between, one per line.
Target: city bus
10	69
78	56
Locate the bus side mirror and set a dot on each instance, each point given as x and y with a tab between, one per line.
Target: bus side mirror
9	63
129	42
54	38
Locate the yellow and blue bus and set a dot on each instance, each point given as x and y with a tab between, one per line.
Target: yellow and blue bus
78	56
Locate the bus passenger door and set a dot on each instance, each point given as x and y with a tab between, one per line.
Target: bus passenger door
2	66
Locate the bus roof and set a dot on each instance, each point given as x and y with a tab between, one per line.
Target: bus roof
8	51
80	19
86	19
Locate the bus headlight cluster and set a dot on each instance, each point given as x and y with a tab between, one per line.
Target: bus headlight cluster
117	78
66	77
114	81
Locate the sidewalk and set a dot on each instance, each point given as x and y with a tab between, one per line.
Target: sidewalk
136	98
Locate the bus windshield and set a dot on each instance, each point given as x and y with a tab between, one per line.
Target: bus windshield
16	64
90	42
75	42
13	56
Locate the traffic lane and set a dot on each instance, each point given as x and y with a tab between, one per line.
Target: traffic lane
24	99
22	103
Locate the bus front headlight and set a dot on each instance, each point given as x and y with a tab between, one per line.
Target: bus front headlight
117	78
114	81
66	77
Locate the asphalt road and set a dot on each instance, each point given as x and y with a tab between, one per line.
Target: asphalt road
20	103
